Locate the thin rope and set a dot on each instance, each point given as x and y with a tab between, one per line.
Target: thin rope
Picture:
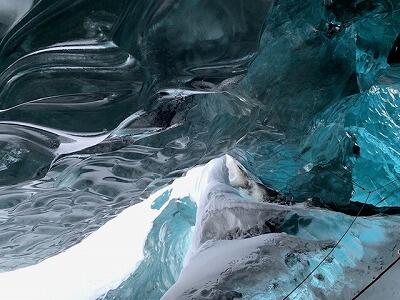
385	198
351	224
378	277
385	185
330	252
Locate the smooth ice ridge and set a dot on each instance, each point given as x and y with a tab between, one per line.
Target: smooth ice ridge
236	233
104	102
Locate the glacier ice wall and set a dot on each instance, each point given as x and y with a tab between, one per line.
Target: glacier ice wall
242	246
104	102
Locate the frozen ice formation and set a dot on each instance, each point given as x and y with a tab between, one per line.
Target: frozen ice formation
240	242
208	149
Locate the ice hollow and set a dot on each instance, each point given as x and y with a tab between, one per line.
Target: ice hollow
198	149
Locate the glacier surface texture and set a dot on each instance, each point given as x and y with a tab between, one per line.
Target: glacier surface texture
199	149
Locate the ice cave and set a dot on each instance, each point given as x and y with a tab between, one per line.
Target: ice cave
199	149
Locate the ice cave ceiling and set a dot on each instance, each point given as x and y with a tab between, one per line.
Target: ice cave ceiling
104	102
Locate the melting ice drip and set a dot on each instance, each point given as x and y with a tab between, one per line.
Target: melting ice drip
243	246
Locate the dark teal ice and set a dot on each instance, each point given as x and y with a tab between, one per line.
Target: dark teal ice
102	102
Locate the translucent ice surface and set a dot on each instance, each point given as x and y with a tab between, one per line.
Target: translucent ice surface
187	149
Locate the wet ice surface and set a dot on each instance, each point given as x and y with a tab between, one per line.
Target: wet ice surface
105	102
115	263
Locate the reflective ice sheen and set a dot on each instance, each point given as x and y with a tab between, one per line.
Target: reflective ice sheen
103	103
